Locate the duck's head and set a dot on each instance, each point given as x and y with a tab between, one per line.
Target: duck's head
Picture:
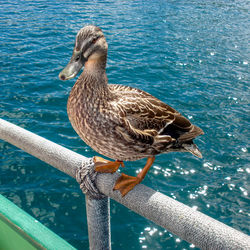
90	44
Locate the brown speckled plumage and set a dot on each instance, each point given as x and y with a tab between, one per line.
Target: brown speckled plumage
120	122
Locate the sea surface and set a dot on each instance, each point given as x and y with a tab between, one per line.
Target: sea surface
193	55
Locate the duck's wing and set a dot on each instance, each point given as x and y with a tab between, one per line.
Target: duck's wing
149	120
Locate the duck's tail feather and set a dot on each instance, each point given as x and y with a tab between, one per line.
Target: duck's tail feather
192	148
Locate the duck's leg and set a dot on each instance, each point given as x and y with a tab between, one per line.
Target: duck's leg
106	166
126	183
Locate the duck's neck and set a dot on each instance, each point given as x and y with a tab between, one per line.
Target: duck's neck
93	82
96	65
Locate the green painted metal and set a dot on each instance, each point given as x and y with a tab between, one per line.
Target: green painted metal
19	230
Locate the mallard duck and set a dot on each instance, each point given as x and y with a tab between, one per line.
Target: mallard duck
120	122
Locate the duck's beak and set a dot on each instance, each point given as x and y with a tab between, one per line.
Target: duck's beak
74	66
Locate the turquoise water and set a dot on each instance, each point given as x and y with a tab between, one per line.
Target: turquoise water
194	55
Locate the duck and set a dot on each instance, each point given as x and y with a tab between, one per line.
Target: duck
120	122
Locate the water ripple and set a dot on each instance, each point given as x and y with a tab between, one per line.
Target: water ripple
194	56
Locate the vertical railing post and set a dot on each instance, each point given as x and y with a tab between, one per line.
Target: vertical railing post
98	218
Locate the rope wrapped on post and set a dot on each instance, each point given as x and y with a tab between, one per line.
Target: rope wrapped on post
193	226
86	176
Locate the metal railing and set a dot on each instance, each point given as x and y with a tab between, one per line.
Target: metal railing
190	225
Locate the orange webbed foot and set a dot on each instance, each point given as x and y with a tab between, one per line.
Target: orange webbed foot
126	183
106	166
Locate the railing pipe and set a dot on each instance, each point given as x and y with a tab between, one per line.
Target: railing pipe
189	224
98	218
197	228
57	156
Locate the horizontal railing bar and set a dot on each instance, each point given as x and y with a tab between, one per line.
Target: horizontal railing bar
191	225
55	155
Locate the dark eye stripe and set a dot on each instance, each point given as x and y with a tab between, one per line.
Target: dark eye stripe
77	58
94	40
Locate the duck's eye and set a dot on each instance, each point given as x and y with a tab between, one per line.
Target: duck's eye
94	40
77	58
